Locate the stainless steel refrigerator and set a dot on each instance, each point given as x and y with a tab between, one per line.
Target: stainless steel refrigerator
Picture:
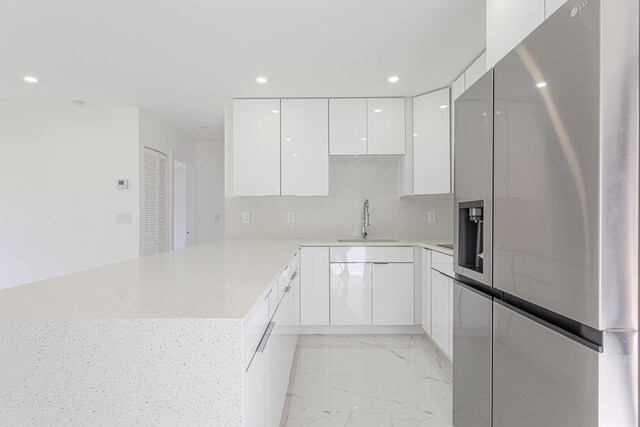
546	227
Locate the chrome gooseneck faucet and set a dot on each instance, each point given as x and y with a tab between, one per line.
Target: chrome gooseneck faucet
365	218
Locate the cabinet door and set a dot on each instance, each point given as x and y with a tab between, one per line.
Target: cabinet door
272	376
254	392
305	147
385	126
426	291
295	289
348	126
350	299
450	318
256	147
457	88
314	286
278	358
392	293
440	311
431	143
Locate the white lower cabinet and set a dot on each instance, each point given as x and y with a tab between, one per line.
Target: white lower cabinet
426	291
314	286
254	392
392	293
278	358
371	293
350	293
441	311
267	377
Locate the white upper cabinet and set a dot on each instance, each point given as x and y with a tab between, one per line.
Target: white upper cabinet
348	126
256	147
508	23
457	88
475	71
431	143
385	126
305	147
551	6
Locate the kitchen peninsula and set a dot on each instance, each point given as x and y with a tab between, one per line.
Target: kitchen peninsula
164	339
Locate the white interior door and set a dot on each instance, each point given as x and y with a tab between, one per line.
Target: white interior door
156	206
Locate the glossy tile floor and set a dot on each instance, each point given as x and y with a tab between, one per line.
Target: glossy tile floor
364	380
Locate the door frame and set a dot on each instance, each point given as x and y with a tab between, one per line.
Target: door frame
190	161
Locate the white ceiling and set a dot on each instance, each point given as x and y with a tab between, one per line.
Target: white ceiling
185	59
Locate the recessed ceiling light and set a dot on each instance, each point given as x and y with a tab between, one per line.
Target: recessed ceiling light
363	139
287	139
393	79
275	111
78	103
541	84
31	79
377	110
415	134
444	106
261	80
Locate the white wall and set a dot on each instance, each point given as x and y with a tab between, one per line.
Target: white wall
209	192
58	197
156	134
509	22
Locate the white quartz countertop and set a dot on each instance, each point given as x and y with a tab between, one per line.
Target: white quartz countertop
221	279
216	280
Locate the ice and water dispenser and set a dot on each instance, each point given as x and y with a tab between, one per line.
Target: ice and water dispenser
471	235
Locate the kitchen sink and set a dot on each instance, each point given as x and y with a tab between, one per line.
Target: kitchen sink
365	240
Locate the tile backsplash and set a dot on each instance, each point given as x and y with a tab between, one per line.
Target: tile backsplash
351	181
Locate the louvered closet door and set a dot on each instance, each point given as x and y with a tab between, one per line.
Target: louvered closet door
156	209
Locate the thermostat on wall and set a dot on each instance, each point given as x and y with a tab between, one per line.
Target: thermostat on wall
122	184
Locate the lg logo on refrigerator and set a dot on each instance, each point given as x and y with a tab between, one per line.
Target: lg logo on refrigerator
578	8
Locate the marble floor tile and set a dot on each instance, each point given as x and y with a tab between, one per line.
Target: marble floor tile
368	380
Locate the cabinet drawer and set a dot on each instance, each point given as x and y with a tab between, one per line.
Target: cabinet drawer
254	327
371	254
442	263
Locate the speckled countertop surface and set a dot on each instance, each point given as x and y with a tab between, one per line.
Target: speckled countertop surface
216	280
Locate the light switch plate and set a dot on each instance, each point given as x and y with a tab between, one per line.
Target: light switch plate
291	217
431	216
246	218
